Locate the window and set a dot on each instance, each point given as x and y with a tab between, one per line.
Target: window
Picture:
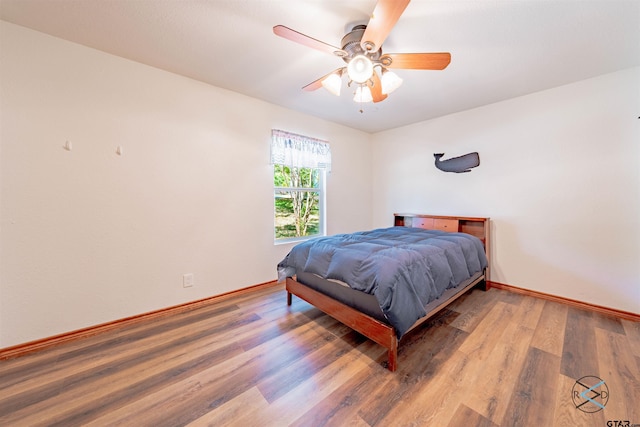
298	202
300	164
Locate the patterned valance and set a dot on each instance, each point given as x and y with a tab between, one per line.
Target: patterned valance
299	151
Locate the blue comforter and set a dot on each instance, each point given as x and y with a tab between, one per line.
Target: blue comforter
405	268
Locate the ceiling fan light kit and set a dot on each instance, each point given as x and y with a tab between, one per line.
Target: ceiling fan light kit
361	50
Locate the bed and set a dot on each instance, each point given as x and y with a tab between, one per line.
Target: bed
385	282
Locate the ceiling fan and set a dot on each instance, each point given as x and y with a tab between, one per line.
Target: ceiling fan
361	50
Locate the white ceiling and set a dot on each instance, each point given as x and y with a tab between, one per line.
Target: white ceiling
500	48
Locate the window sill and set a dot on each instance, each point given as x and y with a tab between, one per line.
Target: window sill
296	239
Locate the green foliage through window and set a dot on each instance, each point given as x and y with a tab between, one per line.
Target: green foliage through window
297	201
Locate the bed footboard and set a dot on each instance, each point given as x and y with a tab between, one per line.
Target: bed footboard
375	330
371	328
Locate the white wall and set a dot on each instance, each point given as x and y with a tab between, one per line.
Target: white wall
559	177
88	236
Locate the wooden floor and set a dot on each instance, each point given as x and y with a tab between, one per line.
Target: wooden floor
492	359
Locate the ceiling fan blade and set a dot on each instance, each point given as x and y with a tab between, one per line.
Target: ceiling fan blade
384	17
294	36
317	84
417	61
375	85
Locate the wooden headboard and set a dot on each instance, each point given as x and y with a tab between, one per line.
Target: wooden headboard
476	226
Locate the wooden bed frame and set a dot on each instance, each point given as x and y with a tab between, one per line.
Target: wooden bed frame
374	329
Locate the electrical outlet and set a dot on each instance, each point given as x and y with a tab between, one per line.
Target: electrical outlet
187	280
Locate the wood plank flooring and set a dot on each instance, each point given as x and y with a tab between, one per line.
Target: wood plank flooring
492	359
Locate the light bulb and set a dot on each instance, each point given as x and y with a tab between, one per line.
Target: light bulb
390	81
360	69
333	83
363	94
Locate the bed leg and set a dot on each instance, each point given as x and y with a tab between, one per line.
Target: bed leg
484	284
392	355
289	299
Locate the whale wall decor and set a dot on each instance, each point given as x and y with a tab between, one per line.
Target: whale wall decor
457	164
